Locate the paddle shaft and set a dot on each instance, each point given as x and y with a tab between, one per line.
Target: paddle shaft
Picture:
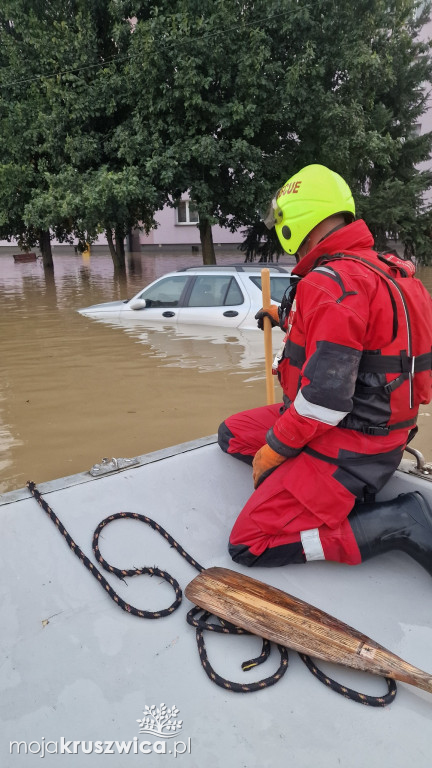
268	612
266	295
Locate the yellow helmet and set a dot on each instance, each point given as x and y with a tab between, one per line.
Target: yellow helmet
307	198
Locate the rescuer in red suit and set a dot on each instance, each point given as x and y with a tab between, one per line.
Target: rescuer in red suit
354	366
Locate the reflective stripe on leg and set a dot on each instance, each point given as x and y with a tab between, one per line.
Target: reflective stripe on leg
312	546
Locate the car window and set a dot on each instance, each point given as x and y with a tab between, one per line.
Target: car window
278	285
234	295
215	291
166	293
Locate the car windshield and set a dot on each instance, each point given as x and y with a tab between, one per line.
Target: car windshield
278	285
215	291
165	293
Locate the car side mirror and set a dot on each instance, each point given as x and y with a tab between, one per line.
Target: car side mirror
138	304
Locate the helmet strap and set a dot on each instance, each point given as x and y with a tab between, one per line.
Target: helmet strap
335	229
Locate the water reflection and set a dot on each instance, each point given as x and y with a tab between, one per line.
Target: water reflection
198	347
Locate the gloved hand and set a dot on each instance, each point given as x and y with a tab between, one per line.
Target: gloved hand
272	313
265	462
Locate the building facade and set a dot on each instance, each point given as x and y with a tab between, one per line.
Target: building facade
178	227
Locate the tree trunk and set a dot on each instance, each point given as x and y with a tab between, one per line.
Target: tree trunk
120	247
206	237
134	241
45	247
116	251
380	238
112	250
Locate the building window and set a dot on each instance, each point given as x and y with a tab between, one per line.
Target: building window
186	213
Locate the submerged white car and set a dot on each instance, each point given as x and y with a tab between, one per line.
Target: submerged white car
227	296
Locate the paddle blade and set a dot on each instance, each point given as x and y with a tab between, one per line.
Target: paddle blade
268	612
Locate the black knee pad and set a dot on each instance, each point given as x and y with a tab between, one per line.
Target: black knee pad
272	557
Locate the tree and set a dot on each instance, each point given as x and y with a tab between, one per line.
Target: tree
98	188
209	103
369	88
260	242
22	106
110	108
392	190
62	166
234	97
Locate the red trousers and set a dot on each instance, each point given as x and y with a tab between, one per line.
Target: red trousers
298	503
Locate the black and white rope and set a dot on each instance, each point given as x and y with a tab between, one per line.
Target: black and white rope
200	623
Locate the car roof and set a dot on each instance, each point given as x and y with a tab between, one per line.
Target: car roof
254	268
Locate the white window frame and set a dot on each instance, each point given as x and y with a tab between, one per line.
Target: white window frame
188	222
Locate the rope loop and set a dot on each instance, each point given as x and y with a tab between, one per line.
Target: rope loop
202	623
349	693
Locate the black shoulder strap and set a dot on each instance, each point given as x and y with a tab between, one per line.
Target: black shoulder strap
398	266
389	280
333	275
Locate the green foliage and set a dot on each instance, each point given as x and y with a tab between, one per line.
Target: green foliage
62	100
236	96
110	108
260	243
209	80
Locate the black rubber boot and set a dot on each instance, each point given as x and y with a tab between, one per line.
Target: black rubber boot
403	523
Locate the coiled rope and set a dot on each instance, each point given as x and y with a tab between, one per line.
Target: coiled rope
201	623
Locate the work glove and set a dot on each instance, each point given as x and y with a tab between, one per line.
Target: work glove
266	460
272	312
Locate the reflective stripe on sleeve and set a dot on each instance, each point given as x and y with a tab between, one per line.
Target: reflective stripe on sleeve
312	546
317	412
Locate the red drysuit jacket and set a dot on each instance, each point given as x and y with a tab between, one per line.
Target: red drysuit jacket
356	361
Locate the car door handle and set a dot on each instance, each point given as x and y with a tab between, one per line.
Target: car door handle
230	313
168	314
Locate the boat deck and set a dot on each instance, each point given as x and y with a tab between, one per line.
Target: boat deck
75	666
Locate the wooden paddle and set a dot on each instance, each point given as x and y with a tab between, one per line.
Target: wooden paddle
268	612
266	298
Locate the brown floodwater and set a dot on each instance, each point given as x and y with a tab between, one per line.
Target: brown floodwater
74	390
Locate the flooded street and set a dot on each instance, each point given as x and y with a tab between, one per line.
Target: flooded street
73	389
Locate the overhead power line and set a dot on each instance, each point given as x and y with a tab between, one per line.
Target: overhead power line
114	59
